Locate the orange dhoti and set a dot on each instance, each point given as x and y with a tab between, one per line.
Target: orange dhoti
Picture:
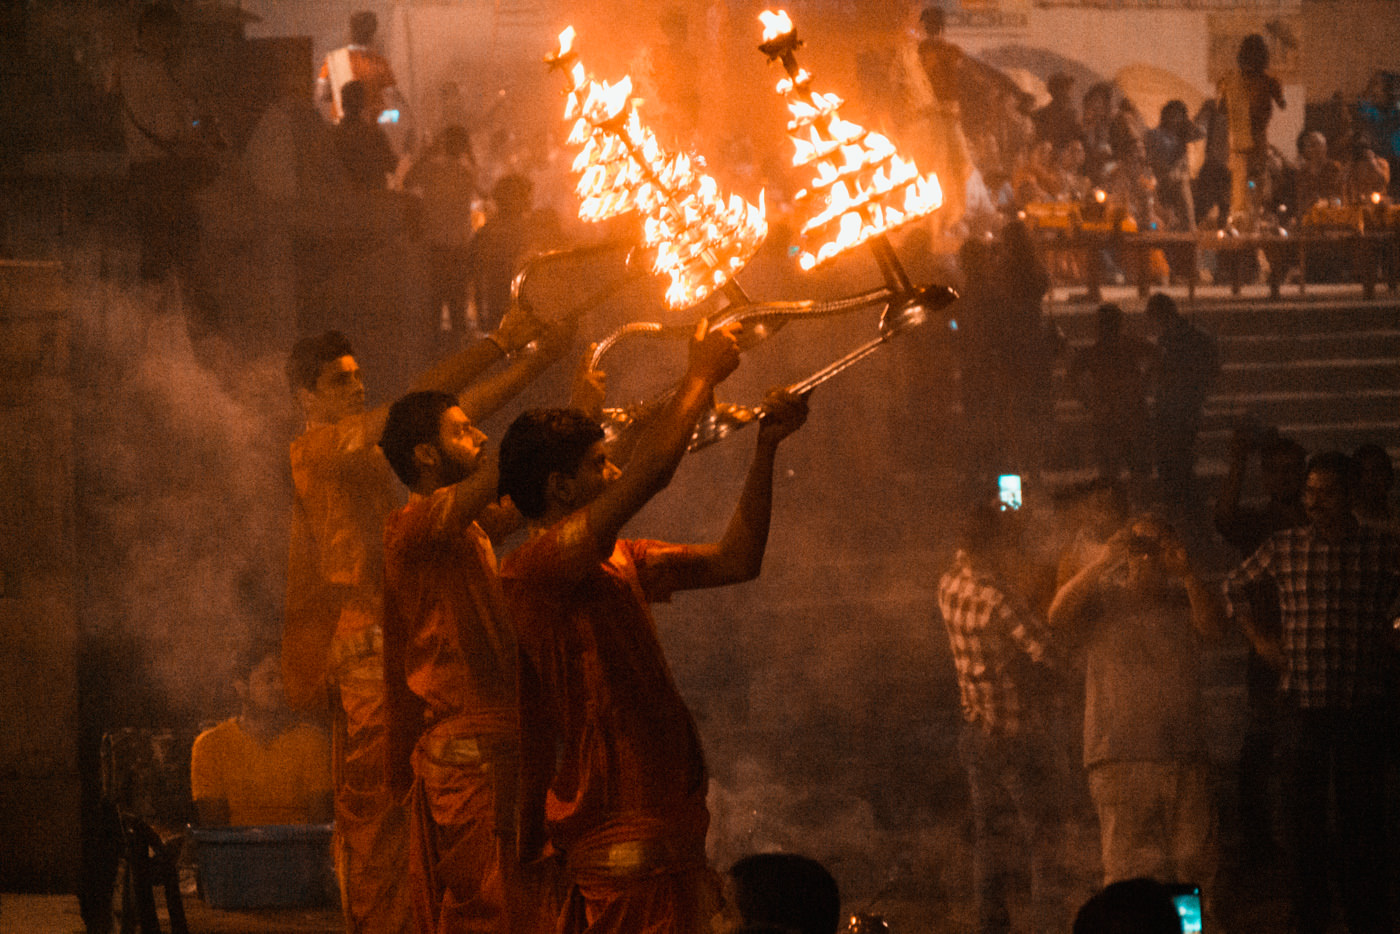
463	870
371	824
643	875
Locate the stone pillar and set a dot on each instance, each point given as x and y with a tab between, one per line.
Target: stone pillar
39	586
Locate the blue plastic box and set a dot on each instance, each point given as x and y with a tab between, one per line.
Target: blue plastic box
265	867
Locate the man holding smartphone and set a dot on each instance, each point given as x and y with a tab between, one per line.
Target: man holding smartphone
1145	611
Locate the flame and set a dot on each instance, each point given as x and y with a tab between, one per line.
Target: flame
696	237
775	24
861	187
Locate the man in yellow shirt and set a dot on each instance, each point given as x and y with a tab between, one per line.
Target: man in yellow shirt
263	766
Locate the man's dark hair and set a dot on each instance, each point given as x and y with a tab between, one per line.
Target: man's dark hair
1173	107
1133	906
1108	319
157	16
1279	448
253	655
1379	457
1161	306
934	20
786	891
455	140
353	98
311	353
413	420
538	443
1253	54
512	193
1337	463
363	25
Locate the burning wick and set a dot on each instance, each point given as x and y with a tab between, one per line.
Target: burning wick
695	236
862	189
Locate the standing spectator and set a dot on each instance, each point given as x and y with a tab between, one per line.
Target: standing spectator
1146	610
1375	480
361	146
1248	95
996	643
1058	121
1337	581
501	247
170	150
444	178
1109	377
1187	362
1210	189
1283	467
359	61
1166	153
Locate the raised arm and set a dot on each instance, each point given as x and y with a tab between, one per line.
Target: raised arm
738	556
1071	599
1207	606
713	356
482	399
457	372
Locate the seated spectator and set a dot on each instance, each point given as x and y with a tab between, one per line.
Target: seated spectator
1378	117
1133	906
362	145
1072	183
1132	186
1368	175
780	892
1318	176
263	766
1098	117
1035	177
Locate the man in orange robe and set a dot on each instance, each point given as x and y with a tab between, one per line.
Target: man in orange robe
612	767
450	677
332	643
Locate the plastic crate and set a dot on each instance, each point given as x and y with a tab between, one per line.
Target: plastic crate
265	867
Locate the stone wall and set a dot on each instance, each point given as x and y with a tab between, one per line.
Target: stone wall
39	600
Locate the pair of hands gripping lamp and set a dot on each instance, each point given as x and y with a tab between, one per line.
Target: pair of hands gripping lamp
861	190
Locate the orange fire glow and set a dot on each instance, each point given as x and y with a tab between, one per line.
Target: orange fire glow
697	237
861	187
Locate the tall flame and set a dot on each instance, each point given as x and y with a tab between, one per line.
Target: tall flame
697	237
861	187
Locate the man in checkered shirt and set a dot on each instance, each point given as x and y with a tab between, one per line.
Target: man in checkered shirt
1337	582
997	646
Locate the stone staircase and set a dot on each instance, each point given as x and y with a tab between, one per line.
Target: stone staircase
1324	370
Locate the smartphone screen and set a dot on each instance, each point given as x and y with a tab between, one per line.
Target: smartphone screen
1009	490
1187	899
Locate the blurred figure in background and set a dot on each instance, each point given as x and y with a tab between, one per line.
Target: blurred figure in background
1110	379
779	892
444	178
1187	363
361	145
997	641
1248	96
359	61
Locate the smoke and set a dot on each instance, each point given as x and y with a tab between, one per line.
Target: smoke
182	489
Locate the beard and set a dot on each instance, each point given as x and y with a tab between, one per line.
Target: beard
456	469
